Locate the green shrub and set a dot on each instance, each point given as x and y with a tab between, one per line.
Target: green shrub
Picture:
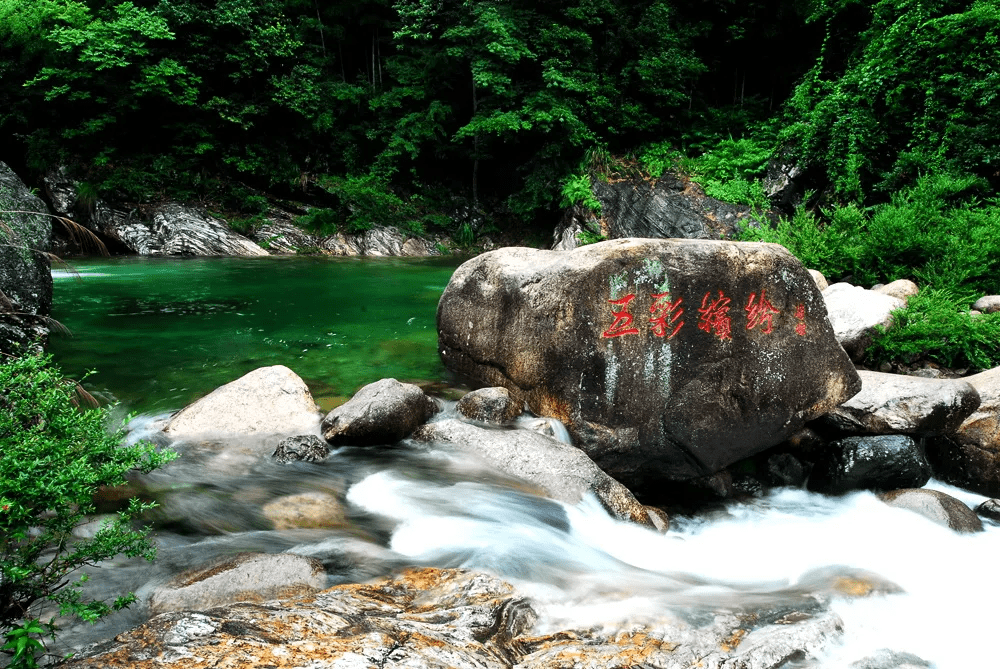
936	325
576	190
55	458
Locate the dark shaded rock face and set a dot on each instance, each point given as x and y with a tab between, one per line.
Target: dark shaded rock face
666	359
870	463
670	208
302	447
380	413
25	274
935	505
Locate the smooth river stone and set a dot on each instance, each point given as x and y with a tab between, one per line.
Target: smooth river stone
666	359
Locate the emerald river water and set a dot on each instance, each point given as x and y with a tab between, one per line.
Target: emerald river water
160	333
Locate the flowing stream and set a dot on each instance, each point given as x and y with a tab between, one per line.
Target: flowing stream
162	333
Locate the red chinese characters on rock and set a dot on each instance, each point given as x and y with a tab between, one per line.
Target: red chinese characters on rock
664	315
800	315
714	316
760	312
623	319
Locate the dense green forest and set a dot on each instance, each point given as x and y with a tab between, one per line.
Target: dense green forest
396	110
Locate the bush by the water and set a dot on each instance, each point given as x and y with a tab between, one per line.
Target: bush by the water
55	457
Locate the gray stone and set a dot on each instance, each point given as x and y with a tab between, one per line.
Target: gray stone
855	313
987	304
380	413
899	404
970	457
302	447
666	359
179	230
280	235
25	274
890	659
489	405
268	400
903	289
990	509
943	509
575	222
870	463
245	577
820	280
560	471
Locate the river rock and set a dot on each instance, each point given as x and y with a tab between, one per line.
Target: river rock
380	413
870	463
820	280
489	405
301	448
180	230
891	659
672	208
987	304
245	577
990	509
454	619
268	400
942	508
900	404
25	274
666	359
903	289
855	313
970	457
560	471
306	510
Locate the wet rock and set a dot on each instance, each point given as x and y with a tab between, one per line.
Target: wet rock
489	405
380	413
942	508
658	518
672	208
784	469
870	463
430	618
987	304
307	510
990	509
820	280
891	659
25	274
302	447
898	404
560	471
268	400
666	359
902	289
855	313
970	457
245	577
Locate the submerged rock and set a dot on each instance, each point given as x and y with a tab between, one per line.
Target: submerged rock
306	510
666	359
454	619
942	508
380	413
870	463
245	577
899	404
268	400
25	274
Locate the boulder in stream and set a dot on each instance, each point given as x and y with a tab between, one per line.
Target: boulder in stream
380	413
883	462
937	506
268	400
25	274
489	405
666	359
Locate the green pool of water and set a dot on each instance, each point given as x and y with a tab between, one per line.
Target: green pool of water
163	332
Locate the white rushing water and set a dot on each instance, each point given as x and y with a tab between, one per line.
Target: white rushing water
584	568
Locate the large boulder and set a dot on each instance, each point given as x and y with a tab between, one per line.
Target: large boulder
562	472
971	456
380	413
25	274
244	577
886	462
268	400
899	404
855	313
666	359
178	230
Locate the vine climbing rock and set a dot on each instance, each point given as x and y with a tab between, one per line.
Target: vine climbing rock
25	274
666	359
